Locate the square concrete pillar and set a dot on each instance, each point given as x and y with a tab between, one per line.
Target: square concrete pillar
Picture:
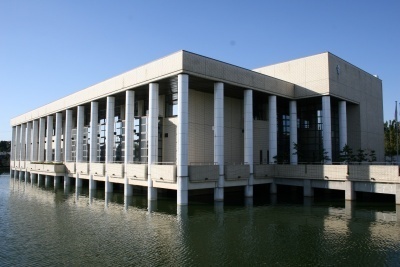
349	194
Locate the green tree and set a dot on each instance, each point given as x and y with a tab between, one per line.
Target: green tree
390	131
346	154
5	146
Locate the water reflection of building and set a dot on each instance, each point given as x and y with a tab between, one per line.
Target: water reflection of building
187	122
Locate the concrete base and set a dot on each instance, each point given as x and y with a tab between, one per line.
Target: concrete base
128	189
398	194
349	208
67	181
109	187
308	191
92	183
48	181
33	178
152	205
40	180
248	191
349	193
182	197
219	194
57	181
273	189
78	181
151	193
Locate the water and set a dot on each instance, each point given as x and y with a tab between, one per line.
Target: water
50	227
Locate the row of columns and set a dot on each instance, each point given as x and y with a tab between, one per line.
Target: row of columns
34	133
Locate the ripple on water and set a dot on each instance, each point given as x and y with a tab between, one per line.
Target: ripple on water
46	227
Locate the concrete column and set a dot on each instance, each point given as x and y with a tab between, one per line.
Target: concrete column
49	139
57	180
80	124
326	127
152	133
47	180
18	144
342	124
308	191
110	110
129	137
42	129
397	194
28	141
349	193
23	149
57	141
67	181
248	138
183	139
68	135
35	140
273	128
13	148
272	188
293	131
219	139
94	121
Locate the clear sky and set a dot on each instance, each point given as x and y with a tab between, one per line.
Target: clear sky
50	49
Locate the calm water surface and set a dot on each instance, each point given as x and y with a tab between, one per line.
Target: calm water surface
50	226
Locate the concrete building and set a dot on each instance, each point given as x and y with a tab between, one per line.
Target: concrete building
187	122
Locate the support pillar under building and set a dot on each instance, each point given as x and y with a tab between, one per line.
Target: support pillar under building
219	138
182	138
308	191
349	193
152	132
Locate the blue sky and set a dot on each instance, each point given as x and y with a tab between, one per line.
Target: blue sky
49	49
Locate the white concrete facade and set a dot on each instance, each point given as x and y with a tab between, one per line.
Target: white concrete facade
187	122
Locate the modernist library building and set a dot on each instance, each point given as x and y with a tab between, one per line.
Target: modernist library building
188	122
